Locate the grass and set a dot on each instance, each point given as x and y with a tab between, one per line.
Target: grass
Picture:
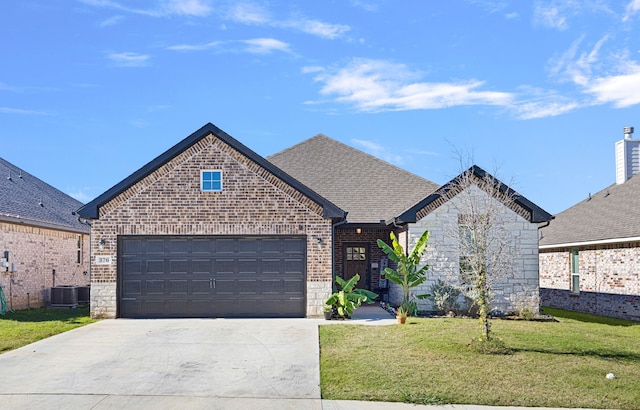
427	361
22	327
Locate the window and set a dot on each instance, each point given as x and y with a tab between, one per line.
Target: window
79	250
356	254
575	271
211	181
472	247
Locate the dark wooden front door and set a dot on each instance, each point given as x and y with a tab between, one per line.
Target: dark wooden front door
356	261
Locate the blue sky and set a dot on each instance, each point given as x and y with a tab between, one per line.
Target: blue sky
536	91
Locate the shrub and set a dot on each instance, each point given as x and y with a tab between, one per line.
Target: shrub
445	296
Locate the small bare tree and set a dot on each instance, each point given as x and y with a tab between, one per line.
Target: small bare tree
486	246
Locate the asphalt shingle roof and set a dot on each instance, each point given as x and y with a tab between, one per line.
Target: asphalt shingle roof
368	188
25	197
612	213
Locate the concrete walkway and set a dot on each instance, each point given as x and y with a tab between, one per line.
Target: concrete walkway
182	364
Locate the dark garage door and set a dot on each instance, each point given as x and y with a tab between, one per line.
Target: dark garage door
211	276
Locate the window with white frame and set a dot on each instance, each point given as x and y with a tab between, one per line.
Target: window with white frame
211	180
575	271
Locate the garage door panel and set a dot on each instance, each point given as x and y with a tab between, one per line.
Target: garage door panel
178	246
200	287
199	276
250	266
154	287
249	246
223	266
133	266
225	245
202	246
178	266
201	266
178	287
294	266
154	267
154	246
293	286
226	286
272	286
132	287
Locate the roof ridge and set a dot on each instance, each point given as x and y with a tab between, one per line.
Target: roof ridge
303	142
379	160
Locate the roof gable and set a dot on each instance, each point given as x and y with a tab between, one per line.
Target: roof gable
27	199
525	208
368	188
91	210
613	213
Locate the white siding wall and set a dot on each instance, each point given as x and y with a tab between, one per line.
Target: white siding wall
442	255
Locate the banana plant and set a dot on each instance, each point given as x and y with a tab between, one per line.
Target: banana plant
409	273
346	300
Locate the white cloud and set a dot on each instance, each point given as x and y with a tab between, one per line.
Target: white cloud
613	78
317	28
549	16
111	21
532	109
632	8
255	14
378	85
196	8
127	59
310	69
195	47
366	5
379	151
266	46
621	90
9	110
254	46
249	13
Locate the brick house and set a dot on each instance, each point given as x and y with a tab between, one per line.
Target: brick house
590	253
42	242
380	198
210	229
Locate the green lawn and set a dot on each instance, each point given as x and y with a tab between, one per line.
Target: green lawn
427	361
27	326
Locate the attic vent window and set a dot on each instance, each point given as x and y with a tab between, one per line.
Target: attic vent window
211	181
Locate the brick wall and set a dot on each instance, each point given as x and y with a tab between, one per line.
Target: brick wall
37	252
169	202
609	280
512	291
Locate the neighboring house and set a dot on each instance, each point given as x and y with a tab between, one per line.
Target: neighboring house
590	253
42	242
380	198
212	229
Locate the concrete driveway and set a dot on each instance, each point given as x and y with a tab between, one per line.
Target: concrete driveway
168	363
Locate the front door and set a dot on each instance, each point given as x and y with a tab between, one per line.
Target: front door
356	261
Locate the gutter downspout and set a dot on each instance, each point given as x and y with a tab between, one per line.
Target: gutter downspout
333	254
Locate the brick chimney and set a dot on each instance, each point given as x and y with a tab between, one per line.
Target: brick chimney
627	157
